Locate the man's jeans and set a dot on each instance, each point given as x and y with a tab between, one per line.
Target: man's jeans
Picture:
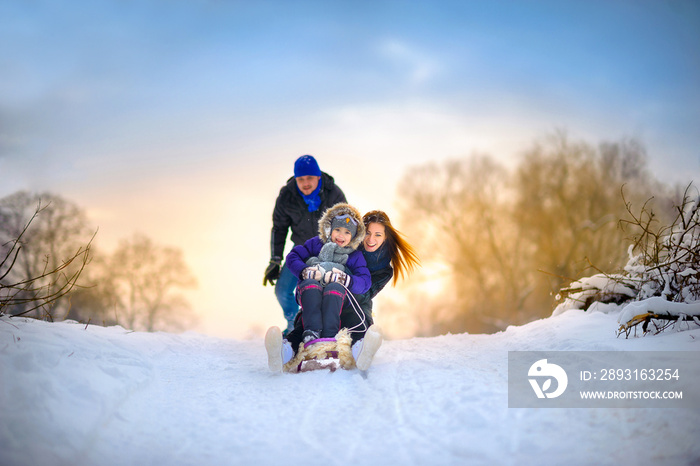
285	291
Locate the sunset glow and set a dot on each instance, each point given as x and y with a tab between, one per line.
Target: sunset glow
182	120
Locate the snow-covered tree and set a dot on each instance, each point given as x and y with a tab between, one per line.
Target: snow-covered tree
659	285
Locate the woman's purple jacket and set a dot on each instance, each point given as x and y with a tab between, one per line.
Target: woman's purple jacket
356	266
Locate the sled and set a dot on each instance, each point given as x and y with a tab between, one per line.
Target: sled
323	354
320	354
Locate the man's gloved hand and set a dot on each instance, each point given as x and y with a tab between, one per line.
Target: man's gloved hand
313	273
337	276
272	272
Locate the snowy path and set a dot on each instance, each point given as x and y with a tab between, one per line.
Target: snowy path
71	395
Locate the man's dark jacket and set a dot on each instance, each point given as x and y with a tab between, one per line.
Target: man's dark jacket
292	212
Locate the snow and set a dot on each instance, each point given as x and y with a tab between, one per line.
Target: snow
72	394
657	305
589	287
630	312
609	283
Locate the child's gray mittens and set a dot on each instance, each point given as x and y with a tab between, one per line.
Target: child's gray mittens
336	276
317	273
312	273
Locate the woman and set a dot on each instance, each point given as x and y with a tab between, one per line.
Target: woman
387	255
385	251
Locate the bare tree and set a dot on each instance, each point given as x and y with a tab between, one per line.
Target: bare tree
37	291
146	277
568	204
96	301
460	214
513	237
43	270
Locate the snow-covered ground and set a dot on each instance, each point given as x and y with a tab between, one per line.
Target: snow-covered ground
77	395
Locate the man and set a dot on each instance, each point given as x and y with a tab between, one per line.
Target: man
299	206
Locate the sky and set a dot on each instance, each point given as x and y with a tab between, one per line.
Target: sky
181	120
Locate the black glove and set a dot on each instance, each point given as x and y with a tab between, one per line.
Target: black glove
272	272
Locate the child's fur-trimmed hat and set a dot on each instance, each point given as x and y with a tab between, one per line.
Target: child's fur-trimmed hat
345	221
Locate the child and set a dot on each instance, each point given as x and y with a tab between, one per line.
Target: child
328	266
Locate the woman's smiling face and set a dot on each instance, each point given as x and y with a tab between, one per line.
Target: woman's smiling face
376	234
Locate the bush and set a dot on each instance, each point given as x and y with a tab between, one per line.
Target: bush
38	292
660	284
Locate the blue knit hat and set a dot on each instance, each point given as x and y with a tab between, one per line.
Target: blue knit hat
306	165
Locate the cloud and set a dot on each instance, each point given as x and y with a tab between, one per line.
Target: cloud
421	68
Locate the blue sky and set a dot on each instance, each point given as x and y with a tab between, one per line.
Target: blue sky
122	75
153	113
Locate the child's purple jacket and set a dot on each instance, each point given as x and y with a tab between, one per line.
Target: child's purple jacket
356	266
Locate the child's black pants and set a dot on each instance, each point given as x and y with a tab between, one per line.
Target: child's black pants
321	306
